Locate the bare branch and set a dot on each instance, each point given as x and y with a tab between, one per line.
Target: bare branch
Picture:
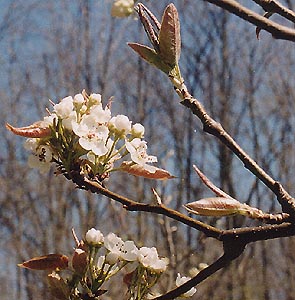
276	30
215	128
277	7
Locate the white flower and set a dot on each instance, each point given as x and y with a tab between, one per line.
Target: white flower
48	120
120	123
122	8
100	115
113	243
41	159
94	237
78	99
149	258
106	265
69	122
181	280
112	258
137	149
120	249
137	130
31	144
95	99
92	135
129	251
64	108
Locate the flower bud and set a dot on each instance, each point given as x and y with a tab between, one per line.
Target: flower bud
137	130
94	237
79	261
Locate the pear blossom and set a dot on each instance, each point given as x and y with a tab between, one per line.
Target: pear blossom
122	8
95	99
78	99
113	243
92	136
120	249
120	123
149	258
137	149
31	144
41	159
94	237
69	122
181	280
100	115
137	130
64	108
129	251
48	120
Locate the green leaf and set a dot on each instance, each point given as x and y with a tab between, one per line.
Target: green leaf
150	56
169	36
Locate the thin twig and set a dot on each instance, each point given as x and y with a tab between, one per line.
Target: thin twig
277	7
277	31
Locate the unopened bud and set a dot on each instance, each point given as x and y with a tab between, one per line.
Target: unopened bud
79	261
58	287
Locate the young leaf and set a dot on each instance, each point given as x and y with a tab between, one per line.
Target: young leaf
32	131
169	36
217	206
150	56
153	173
46	262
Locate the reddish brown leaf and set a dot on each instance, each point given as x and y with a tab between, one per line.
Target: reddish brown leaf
150	56
46	262
32	131
169	36
217	206
138	170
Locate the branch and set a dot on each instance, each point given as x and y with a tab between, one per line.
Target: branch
276	30
277	7
215	128
224	260
130	205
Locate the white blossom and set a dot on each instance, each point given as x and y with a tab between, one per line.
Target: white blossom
149	258
100	115
94	236
64	108
113	243
48	120
120	249
181	280
137	149
92	135
137	130
95	99
69	122
120	123
122	8
41	158
78	99
31	144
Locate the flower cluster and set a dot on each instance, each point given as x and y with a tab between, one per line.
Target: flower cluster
143	266
122	8
81	134
95	261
